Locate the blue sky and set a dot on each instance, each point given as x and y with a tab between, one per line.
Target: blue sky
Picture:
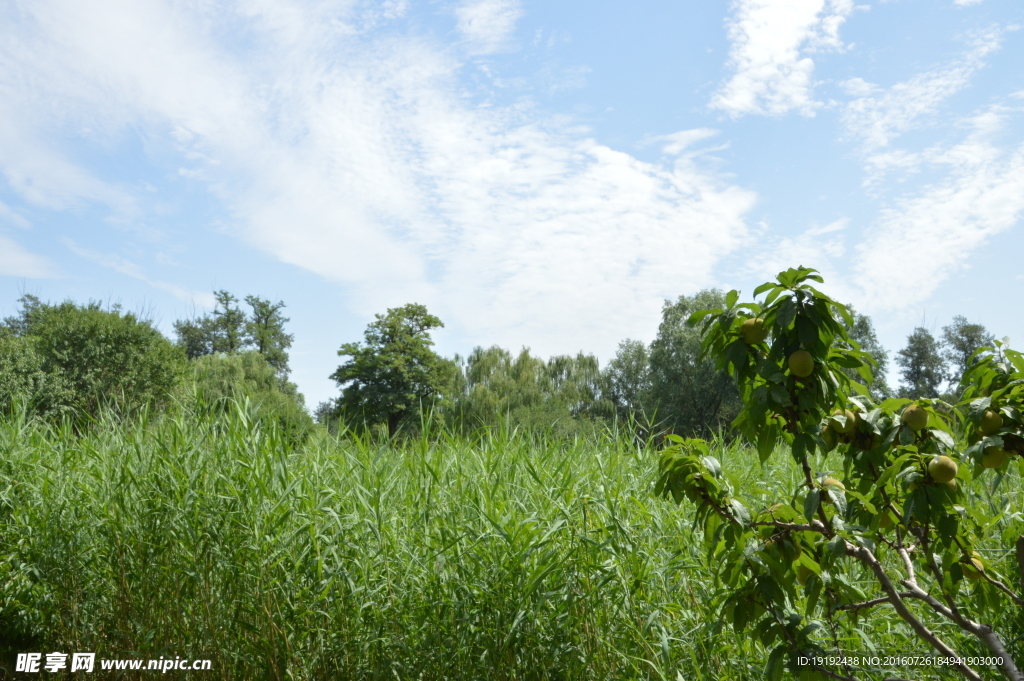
540	174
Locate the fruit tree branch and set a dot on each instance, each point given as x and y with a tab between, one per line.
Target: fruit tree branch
865	556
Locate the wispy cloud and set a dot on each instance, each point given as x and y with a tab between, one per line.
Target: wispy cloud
487	25
926	237
878	116
130	269
15	261
771	72
355	155
9	216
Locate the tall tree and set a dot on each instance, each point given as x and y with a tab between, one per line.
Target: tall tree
627	378
863	331
265	331
922	367
229	322
388	376
690	396
195	336
21	323
960	340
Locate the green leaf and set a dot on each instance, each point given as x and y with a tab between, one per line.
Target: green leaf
773	670
811	503
731	297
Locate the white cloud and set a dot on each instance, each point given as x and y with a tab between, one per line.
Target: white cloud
770	42
357	156
966	3
15	261
926	238
876	118
487	25
130	269
8	215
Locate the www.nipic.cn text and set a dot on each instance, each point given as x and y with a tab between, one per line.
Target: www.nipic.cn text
86	662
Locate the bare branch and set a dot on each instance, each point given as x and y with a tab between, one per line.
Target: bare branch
1002	587
865	556
982	631
813	526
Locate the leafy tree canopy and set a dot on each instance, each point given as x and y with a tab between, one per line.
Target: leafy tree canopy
228	329
691	395
393	370
960	340
91	357
922	366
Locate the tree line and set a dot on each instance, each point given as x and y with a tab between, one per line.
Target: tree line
68	359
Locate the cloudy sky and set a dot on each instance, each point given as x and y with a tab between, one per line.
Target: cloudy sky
539	174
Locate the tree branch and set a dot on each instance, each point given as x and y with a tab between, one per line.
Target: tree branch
868	558
982	631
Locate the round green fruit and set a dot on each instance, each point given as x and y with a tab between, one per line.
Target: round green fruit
801	364
915	417
753	331
994	457
973	570
825	484
844	428
829	436
991	421
942	469
803	573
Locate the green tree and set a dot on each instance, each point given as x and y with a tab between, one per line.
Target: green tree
690	394
22	377
627	379
19	324
863	331
218	379
104	357
265	331
922	367
561	395
195	336
394	371
960	340
229	323
798	566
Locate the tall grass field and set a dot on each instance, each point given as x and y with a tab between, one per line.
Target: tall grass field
501	555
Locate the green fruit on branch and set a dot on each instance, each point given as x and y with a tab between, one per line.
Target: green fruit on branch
991	421
829	436
803	573
753	331
942	469
973	570
801	364
844	428
915	417
825	484
885	521
994	457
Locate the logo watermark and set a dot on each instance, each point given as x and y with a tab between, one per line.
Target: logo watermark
34	663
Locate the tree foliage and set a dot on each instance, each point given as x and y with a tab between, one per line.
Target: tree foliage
394	370
562	394
688	392
79	358
885	520
922	366
229	329
218	380
961	340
